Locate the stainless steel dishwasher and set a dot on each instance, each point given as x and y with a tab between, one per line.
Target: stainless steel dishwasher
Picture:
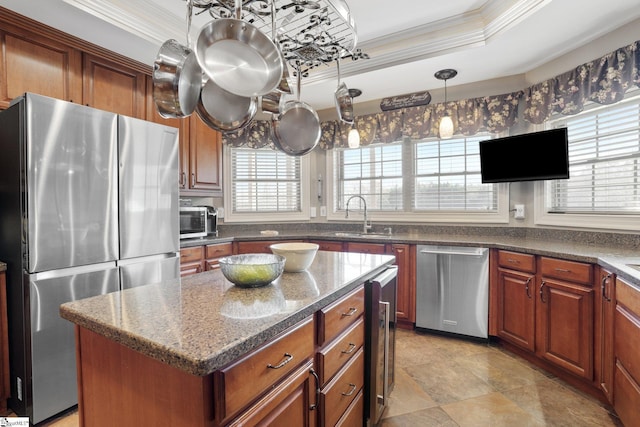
452	290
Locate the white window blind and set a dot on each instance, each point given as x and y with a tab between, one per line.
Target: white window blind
264	181
604	163
373	172
447	176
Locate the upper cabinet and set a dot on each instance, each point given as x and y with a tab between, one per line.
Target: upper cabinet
203	169
112	87
32	63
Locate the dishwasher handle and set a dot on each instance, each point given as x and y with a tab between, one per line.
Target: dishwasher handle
454	251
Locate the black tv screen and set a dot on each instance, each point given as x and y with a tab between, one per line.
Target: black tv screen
528	157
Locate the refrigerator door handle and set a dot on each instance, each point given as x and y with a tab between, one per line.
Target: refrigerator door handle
385	387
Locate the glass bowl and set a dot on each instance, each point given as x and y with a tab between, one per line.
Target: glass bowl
252	270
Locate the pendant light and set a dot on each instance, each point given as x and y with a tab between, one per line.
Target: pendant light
354	136
446	124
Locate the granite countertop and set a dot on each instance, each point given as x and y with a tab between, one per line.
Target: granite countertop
202	322
602	251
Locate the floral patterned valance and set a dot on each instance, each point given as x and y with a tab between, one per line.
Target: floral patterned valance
604	80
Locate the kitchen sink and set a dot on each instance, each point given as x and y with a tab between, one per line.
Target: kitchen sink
360	235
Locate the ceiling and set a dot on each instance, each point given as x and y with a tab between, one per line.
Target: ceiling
407	40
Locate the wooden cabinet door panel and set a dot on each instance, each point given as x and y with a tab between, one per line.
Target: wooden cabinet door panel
516	315
112	87
342	390
289	404
406	295
205	157
565	313
30	63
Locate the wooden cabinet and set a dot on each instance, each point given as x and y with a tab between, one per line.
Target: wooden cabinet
606	332
546	307
406	291
366	248
240	384
256	246
565	315
626	381
330	246
191	260
340	360
33	63
214	252
113	87
201	160
5	389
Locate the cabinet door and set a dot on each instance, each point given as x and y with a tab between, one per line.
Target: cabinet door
516	308
205	157
406	294
113	87
607	362
565	328
182	124
291	403
31	63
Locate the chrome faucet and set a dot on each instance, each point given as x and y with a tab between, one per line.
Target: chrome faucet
367	224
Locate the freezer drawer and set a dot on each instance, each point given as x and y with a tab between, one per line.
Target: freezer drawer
149	270
452	290
53	363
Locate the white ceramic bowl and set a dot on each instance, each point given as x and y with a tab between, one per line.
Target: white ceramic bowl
298	255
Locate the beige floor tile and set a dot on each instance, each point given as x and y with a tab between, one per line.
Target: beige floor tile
491	409
407	396
556	404
432	417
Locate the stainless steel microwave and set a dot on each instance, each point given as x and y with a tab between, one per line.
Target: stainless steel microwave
193	222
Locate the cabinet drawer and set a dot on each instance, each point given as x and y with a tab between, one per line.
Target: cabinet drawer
336	397
336	317
355	414
627	337
191	254
517	261
327	246
219	250
571	271
240	383
366	248
338	352
627	396
628	296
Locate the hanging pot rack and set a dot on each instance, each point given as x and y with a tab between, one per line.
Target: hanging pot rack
310	32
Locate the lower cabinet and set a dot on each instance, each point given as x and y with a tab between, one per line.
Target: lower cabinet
203	258
545	306
626	380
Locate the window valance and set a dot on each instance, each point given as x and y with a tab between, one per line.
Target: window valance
604	80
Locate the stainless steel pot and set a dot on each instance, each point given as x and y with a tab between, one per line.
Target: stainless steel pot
223	110
177	78
296	130
238	57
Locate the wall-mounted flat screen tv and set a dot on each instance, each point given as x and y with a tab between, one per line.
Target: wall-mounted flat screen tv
527	157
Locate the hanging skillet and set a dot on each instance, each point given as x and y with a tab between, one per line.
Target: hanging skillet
177	77
296	130
238	57
223	110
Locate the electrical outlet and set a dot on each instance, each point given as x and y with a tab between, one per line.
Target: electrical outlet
323	211
519	212
220	213
312	212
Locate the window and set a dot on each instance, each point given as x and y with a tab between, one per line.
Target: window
604	168
265	184
434	180
448	176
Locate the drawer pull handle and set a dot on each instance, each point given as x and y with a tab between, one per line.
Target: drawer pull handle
352	347
352	311
350	392
526	286
314	406
287	358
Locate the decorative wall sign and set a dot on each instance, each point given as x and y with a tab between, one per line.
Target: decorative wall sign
403	101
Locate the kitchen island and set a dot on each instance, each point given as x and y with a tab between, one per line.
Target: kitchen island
148	355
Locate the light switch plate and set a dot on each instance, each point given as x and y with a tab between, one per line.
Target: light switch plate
519	212
323	211
312	212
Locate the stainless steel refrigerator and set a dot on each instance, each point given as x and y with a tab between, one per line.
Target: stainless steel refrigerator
89	205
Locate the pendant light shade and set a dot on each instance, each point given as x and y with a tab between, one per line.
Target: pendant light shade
446	127
446	124
354	138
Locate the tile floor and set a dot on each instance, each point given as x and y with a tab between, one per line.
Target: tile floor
450	382
442	381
